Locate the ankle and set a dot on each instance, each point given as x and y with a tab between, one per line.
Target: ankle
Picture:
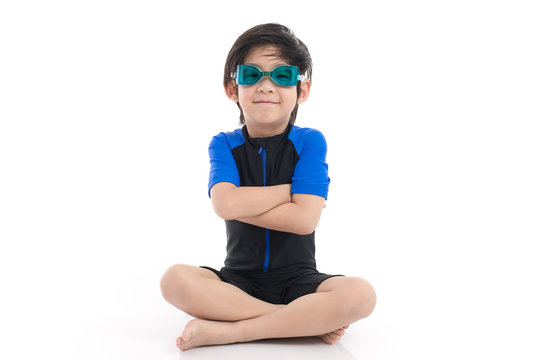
240	331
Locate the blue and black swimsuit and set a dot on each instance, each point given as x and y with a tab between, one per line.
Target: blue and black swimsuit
274	266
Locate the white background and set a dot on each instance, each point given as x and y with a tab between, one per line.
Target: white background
430	111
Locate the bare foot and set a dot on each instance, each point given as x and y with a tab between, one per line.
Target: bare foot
199	332
334	336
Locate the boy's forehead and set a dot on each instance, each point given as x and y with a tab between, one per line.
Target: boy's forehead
264	55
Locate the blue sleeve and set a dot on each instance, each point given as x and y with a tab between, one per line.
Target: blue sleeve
222	165
311	171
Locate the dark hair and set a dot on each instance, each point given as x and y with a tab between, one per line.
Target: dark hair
289	48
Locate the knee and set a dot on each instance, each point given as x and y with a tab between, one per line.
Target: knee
173	282
361	298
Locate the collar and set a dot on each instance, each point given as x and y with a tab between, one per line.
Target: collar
266	141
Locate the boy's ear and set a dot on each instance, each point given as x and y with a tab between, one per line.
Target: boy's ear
231	91
305	89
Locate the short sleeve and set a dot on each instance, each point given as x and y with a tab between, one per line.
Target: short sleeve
222	164
311	171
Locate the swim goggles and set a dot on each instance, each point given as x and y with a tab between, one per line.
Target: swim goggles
284	75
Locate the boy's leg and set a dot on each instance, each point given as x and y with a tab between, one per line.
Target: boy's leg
338	301
200	293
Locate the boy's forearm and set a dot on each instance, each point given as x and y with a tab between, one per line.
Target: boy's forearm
256	200
250	201
287	217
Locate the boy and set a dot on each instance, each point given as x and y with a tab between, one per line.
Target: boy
269	182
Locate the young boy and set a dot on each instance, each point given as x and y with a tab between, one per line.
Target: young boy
269	182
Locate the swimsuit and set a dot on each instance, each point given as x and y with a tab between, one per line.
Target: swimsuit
260	261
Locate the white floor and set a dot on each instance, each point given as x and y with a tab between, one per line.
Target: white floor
107	319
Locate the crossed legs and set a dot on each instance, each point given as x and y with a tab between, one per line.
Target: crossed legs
225	314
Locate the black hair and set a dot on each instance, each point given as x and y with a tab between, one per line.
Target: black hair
289	48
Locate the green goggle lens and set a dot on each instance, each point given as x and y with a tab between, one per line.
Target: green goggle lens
285	75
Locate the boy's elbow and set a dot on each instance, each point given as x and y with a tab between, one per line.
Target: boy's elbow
308	225
224	210
308	212
223	203
304	231
307	230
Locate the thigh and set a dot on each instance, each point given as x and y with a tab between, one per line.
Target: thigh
206	272
357	295
340	283
180	274
202	293
304	284
188	271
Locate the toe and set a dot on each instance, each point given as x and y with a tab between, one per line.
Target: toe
326	338
179	343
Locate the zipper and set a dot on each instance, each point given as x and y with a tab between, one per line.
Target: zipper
262	152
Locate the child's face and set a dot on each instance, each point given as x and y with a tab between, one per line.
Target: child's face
266	106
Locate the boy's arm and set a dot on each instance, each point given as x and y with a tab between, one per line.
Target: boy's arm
301	216
231	202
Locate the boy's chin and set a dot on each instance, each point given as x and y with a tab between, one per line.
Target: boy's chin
267	123
259	128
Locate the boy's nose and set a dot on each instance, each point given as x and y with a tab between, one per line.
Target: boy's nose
266	85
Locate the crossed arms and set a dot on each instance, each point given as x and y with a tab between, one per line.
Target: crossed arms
270	207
